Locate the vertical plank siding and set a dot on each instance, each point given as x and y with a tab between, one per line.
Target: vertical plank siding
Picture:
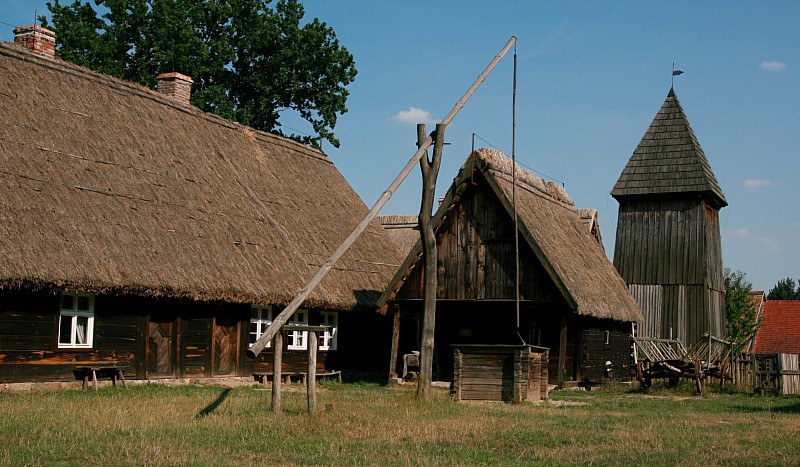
476	255
669	253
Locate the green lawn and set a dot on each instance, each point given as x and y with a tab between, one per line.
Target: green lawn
372	424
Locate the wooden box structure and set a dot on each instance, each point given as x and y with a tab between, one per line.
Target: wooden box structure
509	373
777	373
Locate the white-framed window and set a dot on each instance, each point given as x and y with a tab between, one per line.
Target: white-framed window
76	321
328	338
298	339
607	337
260	319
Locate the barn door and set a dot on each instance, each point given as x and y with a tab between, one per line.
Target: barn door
160	348
225	345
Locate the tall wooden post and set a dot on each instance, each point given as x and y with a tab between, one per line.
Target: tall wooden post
277	363
395	344
430	171
311	377
562	351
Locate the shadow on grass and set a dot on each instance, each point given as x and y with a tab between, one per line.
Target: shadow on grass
787	405
210	408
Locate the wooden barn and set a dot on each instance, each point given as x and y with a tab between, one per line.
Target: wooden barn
668	246
572	300
140	232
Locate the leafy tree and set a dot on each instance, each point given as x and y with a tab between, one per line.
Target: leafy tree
249	62
784	290
740	310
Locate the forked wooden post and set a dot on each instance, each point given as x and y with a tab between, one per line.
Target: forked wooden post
277	363
311	378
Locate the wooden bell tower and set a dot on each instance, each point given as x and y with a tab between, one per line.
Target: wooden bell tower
668	247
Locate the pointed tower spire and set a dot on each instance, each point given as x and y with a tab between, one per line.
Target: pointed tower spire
669	159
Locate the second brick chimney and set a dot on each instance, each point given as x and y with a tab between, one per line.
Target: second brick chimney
176	86
37	39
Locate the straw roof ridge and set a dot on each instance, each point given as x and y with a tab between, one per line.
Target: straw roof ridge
526	179
61	66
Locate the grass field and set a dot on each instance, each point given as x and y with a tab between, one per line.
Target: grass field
376	425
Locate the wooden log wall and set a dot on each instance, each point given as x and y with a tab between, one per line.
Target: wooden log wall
165	338
595	352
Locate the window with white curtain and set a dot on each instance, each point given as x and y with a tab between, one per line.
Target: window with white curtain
328	338
260	319
298	339
76	321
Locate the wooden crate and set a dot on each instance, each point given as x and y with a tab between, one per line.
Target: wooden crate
510	373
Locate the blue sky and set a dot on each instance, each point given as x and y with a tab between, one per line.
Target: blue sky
591	77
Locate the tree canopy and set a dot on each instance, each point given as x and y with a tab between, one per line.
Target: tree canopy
249	62
740	310
785	290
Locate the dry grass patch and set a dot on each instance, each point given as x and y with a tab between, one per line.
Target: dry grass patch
370	424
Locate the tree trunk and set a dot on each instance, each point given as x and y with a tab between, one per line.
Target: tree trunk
430	171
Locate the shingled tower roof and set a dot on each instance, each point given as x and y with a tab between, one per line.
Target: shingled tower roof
669	160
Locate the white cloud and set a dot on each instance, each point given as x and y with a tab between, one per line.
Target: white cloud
757	183
742	233
772	65
413	115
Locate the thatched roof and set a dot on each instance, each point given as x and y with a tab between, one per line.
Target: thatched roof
403	230
110	187
553	229
669	160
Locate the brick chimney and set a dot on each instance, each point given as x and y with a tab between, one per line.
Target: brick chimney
37	39
176	86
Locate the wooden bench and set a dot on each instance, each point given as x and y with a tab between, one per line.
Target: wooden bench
264	376
113	372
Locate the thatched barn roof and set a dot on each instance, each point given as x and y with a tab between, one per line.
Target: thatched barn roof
553	229
669	160
109	187
403	230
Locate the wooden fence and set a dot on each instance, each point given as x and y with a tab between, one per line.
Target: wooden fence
778	373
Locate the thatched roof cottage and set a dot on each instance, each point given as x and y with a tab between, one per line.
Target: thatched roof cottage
572	300
140	231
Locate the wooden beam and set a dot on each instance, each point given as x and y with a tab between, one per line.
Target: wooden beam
311	377
277	363
395	344
562	350
430	172
303	294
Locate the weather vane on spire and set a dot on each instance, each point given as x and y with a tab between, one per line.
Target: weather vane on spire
675	73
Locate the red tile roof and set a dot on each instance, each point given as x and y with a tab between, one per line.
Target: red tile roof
780	328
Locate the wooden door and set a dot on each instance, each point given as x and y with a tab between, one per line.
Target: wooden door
160	349
225	346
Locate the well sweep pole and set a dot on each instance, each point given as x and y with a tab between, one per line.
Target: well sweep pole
303	294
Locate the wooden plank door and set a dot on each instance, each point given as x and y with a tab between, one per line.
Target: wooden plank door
225	346
161	348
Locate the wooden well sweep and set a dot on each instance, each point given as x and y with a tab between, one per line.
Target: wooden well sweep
510	373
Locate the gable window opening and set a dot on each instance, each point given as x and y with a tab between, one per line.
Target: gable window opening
76	321
298	339
328	338
260	319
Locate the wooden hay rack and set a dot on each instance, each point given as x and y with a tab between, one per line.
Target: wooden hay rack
669	359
